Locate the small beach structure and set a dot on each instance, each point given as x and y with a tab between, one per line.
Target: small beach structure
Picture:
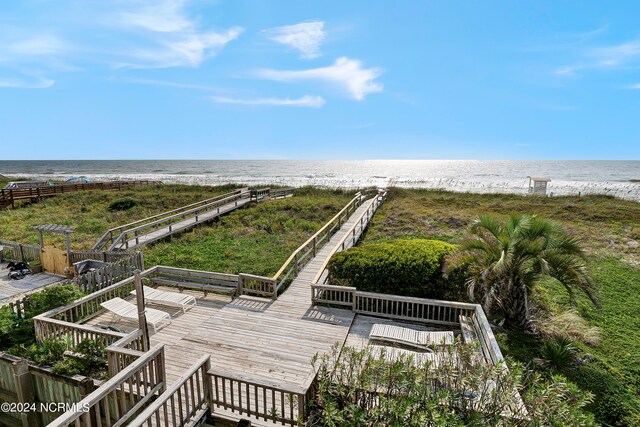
538	185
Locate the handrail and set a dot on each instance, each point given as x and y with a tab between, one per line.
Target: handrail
371	210
188	394
208	206
113	230
128	391
356	199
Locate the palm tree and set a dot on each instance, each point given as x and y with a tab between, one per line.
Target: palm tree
505	261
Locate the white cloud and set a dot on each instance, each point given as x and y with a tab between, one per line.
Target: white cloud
635	86
569	70
305	101
612	56
171	38
38	83
305	37
348	74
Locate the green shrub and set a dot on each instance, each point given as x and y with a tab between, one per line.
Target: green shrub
357	389
70	366
123	204
557	354
48	352
401	267
52	297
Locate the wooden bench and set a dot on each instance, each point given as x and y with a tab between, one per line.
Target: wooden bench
205	287
468	331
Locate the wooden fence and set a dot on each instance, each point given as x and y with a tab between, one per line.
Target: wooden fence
118	400
12	251
104	256
89	282
9	197
22	382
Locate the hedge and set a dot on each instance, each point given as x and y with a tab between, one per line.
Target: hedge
401	267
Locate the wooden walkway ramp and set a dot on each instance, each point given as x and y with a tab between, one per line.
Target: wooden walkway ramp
163	225
258	340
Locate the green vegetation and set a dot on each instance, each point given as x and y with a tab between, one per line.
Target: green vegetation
608	228
123	204
90	211
360	390
254	240
505	261
17	334
400	267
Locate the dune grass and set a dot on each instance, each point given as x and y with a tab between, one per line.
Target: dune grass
89	211
255	240
608	226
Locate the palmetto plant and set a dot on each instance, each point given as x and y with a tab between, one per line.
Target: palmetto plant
504	261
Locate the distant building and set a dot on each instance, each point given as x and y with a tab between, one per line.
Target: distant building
538	185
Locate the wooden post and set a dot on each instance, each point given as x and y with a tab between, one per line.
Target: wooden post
142	317
68	241
208	387
24	390
21	252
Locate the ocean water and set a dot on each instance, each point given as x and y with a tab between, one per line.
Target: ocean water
501	176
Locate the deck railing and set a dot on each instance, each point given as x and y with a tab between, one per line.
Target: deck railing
183	278
121	241
186	401
65	320
109	274
117	400
270	286
104	256
420	310
108	237
125	351
256	399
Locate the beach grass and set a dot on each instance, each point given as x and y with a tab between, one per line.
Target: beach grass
89	211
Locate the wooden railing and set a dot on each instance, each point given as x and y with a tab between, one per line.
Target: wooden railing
13	251
133	233
352	236
104	256
117	400
256	399
64	321
420	310
10	196
108	237
270	286
184	403
183	278
125	351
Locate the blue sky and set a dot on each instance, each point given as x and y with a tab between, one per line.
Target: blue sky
162	79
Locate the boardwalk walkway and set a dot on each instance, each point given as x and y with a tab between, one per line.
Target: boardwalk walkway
271	342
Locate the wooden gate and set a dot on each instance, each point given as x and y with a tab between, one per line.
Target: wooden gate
54	260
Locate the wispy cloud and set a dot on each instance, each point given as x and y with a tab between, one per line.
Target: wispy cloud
635	86
603	58
305	37
347	74
172	38
36	83
178	85
305	101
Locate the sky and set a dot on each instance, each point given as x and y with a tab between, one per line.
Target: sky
258	79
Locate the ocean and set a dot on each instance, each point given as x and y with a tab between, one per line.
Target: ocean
499	176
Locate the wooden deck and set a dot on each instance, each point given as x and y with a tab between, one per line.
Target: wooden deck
11	289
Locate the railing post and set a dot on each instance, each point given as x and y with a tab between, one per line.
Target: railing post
208	386
24	392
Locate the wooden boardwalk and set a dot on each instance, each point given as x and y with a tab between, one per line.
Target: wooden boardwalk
178	226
